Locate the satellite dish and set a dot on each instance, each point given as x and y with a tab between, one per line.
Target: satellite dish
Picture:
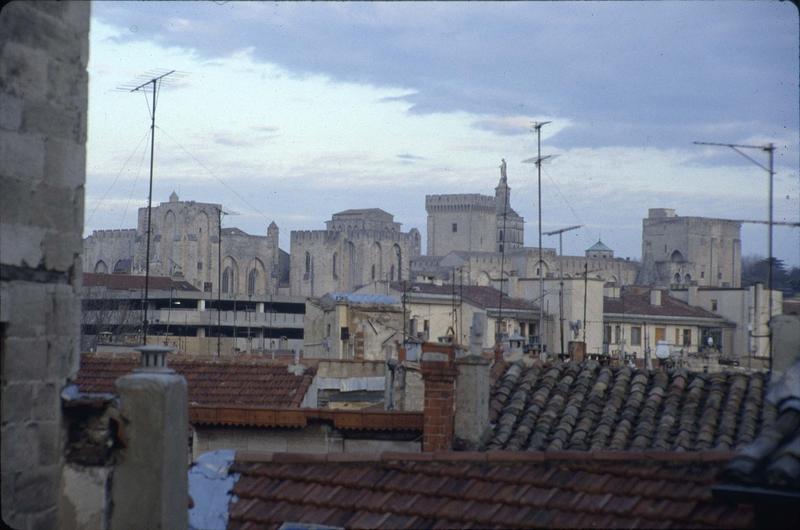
662	350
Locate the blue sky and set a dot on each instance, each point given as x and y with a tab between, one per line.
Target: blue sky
305	109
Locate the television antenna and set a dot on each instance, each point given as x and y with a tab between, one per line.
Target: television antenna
152	79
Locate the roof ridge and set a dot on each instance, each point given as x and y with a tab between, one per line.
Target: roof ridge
491	456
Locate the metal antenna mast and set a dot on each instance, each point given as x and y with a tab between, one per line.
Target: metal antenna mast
155	82
537	126
560	233
769	168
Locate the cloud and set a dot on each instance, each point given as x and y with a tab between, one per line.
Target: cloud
626	72
507	125
408	157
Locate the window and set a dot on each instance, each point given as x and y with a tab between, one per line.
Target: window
607	335
617	334
391	273
308	263
687	337
501	236
373	272
713	305
227	280
636	336
677	336
199	265
251	282
455	227
328	330
334	266
702	274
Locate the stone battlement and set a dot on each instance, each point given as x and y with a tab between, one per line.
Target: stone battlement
353	235
461	201
114	234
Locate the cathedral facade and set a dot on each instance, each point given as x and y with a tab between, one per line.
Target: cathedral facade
185	244
357	247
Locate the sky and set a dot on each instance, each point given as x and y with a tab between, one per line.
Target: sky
293	111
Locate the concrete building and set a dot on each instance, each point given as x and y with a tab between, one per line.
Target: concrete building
748	308
186	318
357	247
185	245
353	326
473	222
680	251
637	320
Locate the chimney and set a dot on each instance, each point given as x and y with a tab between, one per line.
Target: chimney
438	373
655	297
472	401
477	331
691	297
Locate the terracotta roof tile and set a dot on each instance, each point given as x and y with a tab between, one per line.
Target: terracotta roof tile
586	407
638	303
219	382
566	489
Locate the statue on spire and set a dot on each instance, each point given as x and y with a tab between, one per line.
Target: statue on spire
502	169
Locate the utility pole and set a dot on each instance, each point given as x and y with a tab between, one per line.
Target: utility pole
154	82
537	126
560	233
769	168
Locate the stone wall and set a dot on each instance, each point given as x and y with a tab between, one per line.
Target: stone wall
324	261
44	50
685	250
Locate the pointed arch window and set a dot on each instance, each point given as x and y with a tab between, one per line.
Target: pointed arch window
252	277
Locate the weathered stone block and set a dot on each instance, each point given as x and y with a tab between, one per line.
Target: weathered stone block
38	27
19	452
25	359
36	489
17	402
64	163
23	70
60	250
21	244
49	436
10	112
21	156
50	120
29	301
46	402
61	352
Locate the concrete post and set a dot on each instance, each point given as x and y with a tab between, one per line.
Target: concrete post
150	484
201	305
259	307
472	400
785	331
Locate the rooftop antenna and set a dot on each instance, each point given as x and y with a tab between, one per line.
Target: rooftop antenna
154	79
560	233
230	286
537	126
769	168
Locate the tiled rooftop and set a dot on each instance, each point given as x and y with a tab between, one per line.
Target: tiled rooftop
587	407
772	462
253	382
483	490
482	296
637	302
132	281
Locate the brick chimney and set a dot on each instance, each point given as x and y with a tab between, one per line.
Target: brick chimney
439	374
